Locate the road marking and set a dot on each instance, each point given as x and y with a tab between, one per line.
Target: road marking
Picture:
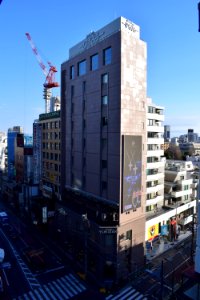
54	269
57	289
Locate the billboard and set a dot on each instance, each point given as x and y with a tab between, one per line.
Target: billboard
131	172
152	231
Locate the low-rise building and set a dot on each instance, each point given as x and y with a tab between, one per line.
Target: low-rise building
180	200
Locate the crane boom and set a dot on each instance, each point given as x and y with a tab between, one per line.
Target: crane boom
50	74
35	51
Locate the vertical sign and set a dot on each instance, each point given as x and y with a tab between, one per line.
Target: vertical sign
44	214
131	172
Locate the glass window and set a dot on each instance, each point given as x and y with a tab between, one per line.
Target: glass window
82	67
105	78
104	163
105	100
104	143
129	235
104	185
94	62
104	121
72	72
107	56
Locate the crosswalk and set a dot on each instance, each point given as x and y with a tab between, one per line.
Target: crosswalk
65	287
128	293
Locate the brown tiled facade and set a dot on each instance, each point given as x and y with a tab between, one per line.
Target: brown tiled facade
50	160
103	100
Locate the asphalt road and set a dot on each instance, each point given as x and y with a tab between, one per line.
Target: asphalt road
33	259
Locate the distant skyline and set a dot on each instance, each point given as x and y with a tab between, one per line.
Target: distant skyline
170	29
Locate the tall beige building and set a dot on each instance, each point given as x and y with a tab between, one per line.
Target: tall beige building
103	170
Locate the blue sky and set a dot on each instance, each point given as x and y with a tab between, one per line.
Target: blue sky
170	29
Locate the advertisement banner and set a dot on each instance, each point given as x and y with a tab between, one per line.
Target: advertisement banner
152	231
164	230
132	171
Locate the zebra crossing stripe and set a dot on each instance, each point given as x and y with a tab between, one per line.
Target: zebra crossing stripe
60	290
49	292
54	292
38	295
76	281
32	296
43	294
134	296
122	293
26	297
70	284
65	288
130	293
139	297
109	297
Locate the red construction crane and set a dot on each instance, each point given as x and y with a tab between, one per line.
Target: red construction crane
50	74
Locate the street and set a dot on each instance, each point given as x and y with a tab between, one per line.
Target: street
34	264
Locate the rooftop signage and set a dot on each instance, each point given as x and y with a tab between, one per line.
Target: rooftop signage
120	24
51	115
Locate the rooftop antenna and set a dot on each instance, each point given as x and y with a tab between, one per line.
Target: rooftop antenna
199	14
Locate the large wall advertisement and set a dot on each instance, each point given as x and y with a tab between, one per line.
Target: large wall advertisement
131	172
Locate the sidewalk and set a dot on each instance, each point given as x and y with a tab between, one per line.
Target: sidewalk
163	245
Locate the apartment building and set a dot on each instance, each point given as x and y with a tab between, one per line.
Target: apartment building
155	158
180	199
181	189
103	99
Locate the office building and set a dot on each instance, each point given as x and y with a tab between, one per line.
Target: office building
23	158
11	135
49	132
3	153
192	136
167	133
103	117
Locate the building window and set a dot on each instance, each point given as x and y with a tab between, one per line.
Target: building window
129	235
104	143
72	91
107	56
104	121
104	100
104	164
72	72
94	62
82	67
104	78
151	109
104	185
150	122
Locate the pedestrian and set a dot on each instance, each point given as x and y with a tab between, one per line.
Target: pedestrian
151	246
